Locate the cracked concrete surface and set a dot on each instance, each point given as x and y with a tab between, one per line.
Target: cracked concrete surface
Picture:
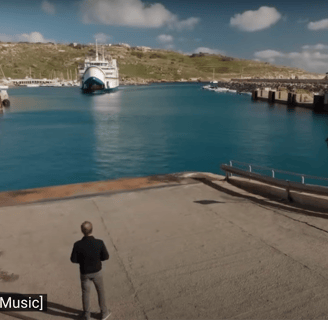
181	252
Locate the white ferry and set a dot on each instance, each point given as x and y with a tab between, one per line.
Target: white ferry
99	74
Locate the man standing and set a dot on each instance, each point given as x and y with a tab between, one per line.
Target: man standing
89	252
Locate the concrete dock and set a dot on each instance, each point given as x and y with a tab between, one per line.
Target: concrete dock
182	246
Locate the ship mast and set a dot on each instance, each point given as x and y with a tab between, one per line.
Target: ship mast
96	51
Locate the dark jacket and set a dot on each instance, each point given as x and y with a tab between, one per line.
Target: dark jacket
89	252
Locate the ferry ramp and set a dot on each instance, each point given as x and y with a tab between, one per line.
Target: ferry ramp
181	247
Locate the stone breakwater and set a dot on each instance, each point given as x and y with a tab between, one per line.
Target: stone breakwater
248	86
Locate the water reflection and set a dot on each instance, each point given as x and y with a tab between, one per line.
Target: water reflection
131	135
106	109
46	99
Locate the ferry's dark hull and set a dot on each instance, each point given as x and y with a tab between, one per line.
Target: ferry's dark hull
93	84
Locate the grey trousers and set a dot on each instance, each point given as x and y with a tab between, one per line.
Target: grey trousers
97	279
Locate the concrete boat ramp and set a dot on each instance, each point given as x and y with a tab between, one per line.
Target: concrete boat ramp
184	246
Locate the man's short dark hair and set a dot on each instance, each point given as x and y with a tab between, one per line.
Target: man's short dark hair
86	228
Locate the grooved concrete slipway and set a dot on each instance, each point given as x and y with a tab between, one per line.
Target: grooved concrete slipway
184	246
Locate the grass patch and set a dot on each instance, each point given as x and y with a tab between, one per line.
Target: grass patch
16	60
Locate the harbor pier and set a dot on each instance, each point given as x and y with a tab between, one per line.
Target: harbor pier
182	246
285	91
22	82
317	102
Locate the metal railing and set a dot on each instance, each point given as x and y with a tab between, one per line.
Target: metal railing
274	171
272	179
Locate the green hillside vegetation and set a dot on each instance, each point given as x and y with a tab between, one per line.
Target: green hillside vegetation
47	60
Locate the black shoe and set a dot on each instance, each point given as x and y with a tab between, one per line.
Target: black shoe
84	316
106	315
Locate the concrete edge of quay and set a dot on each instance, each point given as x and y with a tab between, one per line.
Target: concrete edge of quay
238	186
98	188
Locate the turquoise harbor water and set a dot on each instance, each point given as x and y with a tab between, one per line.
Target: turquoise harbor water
55	136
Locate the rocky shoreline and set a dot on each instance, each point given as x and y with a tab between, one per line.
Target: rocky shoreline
146	82
246	86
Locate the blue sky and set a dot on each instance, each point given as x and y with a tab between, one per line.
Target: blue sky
279	32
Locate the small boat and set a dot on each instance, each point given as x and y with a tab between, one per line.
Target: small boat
32	85
221	90
55	84
214	84
3	87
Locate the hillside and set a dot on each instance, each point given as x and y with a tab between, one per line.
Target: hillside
47	60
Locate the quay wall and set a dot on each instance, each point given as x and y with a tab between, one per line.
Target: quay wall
294	81
249	85
317	102
311	201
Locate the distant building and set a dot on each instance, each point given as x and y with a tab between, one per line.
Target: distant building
125	45
143	48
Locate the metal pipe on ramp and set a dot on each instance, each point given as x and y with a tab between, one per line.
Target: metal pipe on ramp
285	184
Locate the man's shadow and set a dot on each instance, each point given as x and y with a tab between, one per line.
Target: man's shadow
53	309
